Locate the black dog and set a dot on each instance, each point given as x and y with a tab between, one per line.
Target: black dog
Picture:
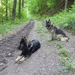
27	48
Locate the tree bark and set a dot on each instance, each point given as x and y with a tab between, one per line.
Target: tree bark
22	3
14	10
19	10
2	13
66	2
6	10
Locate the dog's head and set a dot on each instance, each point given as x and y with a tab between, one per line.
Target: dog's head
48	23
23	44
49	26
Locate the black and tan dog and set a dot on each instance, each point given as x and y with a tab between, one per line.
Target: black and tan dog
56	32
27	48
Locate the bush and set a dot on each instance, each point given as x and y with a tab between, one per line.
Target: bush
65	19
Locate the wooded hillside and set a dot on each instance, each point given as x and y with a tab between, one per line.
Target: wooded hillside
20	11
12	9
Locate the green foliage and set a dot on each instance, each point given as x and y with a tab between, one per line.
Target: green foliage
38	8
42	6
50	3
40	29
8	26
5	28
2	10
65	19
64	53
67	64
9	5
59	45
24	14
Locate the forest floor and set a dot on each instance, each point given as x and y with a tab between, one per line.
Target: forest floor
45	61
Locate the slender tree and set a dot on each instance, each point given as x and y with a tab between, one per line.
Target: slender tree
1	11
22	3
14	10
6	10
66	2
19	10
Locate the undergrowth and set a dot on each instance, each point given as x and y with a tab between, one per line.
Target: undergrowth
65	55
40	29
64	19
7	26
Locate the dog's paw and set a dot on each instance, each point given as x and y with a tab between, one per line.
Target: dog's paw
22	59
18	58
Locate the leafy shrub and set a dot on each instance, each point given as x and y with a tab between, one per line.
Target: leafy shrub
65	19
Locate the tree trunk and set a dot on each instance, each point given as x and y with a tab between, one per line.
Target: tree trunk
14	10
66	2
6	10
2	13
19	10
22	3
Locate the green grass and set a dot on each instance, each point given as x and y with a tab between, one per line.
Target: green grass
8	26
40	29
59	45
64	53
67	64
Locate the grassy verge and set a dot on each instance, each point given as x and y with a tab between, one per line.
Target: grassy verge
40	29
65	55
8	26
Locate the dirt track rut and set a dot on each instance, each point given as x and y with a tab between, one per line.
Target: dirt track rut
9	44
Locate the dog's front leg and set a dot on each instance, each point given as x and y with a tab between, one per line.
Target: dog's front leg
22	59
18	58
53	36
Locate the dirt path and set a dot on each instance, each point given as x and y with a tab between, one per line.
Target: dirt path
43	62
9	45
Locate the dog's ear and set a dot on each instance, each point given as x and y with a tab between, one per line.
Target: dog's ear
49	20
46	21
25	39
